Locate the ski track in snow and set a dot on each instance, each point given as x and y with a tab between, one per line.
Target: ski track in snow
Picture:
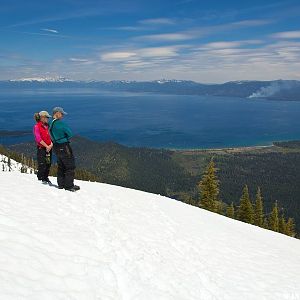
107	242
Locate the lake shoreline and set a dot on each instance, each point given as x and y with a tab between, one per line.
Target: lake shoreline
233	149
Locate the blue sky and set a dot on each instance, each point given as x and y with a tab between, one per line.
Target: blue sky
205	41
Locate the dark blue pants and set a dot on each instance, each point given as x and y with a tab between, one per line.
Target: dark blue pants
65	165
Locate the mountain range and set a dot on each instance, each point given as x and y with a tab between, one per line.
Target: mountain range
286	90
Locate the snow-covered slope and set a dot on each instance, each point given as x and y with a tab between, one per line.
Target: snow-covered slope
10	165
107	242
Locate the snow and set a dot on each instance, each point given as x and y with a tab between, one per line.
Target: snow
14	166
42	79
162	81
107	242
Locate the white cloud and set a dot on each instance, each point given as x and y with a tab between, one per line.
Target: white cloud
287	35
177	36
50	30
229	44
251	23
158	51
139	55
136	64
127	28
223	45
157	21
49	34
115	56
79	60
146	25
197	32
217	61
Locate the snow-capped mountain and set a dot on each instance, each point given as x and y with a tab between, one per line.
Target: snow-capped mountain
162	81
42	79
284	90
109	242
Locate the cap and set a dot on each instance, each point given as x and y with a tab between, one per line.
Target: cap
44	113
59	109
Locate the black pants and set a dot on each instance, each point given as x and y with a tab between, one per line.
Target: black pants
43	164
65	165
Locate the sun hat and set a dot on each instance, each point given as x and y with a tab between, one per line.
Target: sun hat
59	109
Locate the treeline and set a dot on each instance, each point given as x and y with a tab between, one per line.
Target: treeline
288	144
277	174
80	174
247	211
29	165
150	170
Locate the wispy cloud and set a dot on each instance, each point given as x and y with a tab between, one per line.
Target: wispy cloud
140	53
159	51
210	62
58	17
158	21
116	56
50	34
79	60
50	30
176	36
230	44
146	24
197	32
252	23
194	43
287	35
106	8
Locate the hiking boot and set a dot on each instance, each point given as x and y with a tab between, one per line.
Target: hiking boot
46	181
74	188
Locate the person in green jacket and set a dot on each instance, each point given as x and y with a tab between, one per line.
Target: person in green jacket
61	135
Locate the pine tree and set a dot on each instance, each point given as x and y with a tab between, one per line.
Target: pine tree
290	227
282	224
265	223
245	211
9	164
273	218
220	207
209	188
259	210
230	211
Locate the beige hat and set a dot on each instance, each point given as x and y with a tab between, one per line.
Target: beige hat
44	113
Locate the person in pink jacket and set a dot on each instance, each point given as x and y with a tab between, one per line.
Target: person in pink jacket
44	145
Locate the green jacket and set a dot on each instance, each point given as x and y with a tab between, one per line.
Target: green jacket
60	132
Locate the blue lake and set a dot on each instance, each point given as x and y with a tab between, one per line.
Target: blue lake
152	120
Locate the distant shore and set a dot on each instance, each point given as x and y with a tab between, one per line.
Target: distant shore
228	149
231	149
273	147
16	133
